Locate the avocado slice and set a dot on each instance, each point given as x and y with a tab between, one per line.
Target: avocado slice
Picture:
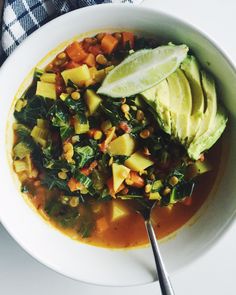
172	101
158	97
207	125
183	118
209	90
175	101
208	139
185	104
190	66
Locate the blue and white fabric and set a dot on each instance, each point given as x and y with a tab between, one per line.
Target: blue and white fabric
21	17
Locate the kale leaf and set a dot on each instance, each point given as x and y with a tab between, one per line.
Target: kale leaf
37	107
52	181
60	117
64	214
83	155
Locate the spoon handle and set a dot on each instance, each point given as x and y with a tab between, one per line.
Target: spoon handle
163	277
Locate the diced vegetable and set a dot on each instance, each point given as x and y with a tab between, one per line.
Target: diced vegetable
20	166
80	128
109	43
197	168
74	185
20	104
135	180
119	211
30	171
154	196
157	185
110	186
90	60
76	75
202	167
102	224
40	135
110	134
76	52
92	100
41	123
120	173
138	162
46	90
21	149
122	145
48	77
64	96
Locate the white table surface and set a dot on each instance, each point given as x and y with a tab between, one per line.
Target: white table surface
214	273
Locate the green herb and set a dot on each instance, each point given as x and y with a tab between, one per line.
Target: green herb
85	228
86	181
57	165
112	109
72	84
181	191
64	214
37	107
60	118
120	159
52	181
83	155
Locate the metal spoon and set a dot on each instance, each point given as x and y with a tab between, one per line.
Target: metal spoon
145	210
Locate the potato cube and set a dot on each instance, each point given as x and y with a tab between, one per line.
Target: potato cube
48	77
46	90
76	75
123	145
80	128
118	211
138	162
92	100
120	173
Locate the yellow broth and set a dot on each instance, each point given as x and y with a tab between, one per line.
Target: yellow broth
82	214
130	231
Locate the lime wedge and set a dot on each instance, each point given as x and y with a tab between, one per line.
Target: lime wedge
142	70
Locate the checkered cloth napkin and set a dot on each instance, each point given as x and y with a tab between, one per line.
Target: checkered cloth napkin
22	17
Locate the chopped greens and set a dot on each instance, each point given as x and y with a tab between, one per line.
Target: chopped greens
89	161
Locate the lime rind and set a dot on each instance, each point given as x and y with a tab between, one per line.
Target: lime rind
142	70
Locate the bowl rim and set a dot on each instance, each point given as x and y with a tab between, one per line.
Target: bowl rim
134	7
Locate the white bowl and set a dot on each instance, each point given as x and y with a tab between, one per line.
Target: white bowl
88	263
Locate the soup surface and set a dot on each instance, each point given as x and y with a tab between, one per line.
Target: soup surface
88	161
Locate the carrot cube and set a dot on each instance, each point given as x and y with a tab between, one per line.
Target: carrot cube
76	52
90	60
102	224
109	43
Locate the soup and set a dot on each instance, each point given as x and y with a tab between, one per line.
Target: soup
87	161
